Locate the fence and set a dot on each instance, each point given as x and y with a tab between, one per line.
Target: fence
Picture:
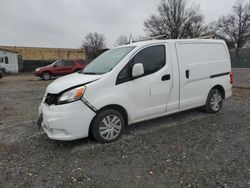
32	65
240	58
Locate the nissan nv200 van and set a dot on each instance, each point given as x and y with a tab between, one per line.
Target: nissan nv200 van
134	83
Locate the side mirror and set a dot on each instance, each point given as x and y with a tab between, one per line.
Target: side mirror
138	70
55	65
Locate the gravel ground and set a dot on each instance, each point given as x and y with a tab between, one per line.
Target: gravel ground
20	96
189	149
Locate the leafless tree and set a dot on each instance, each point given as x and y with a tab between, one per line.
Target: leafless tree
177	20
93	44
121	40
235	27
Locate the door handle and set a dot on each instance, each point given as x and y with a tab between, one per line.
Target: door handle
166	77
187	74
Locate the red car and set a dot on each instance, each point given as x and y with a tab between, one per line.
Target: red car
58	68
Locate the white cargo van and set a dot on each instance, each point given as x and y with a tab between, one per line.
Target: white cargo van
134	83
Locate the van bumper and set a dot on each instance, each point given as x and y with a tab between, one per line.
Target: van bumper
66	122
228	93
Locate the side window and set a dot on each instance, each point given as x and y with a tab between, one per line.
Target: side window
153	59
6	60
68	63
1	60
60	63
126	74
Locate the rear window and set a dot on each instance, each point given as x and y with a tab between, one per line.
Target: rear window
83	62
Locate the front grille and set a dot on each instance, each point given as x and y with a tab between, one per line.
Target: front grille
51	99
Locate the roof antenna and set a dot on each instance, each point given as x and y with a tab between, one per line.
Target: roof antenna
130	39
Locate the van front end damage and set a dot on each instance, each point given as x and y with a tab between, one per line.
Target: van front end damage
66	122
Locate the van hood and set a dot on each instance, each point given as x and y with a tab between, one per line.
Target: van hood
69	81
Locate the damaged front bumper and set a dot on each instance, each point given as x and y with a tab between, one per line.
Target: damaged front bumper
65	122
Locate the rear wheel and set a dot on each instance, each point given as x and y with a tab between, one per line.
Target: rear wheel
46	76
108	126
214	101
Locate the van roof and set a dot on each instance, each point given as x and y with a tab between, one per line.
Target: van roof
148	42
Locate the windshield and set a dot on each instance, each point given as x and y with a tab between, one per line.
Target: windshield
107	61
55	62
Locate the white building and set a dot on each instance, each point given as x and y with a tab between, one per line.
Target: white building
9	60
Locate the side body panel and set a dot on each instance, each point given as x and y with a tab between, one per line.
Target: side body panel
198	62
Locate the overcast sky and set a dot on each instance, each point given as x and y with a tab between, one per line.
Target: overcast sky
64	23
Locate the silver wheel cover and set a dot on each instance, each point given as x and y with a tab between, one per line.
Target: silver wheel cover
216	101
46	76
110	127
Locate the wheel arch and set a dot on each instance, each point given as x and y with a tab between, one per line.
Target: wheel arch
221	89
116	107
48	71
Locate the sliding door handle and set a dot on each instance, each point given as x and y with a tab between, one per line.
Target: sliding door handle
187	74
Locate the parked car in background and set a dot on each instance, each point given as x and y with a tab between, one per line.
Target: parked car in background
2	72
58	68
134	83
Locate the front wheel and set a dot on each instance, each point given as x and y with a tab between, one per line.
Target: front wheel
108	126
46	76
214	101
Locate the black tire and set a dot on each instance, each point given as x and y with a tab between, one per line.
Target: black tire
214	102
46	76
77	70
103	132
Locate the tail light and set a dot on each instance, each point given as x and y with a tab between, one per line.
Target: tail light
231	77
